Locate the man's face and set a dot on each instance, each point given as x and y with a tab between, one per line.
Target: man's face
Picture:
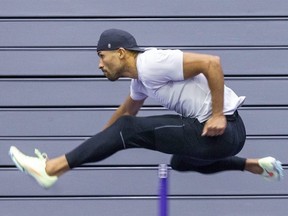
110	64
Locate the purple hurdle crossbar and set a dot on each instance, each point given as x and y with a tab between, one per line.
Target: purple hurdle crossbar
163	189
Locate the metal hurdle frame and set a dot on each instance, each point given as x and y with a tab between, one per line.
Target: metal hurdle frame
163	189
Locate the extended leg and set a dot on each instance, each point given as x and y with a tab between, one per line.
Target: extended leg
126	132
185	163
268	167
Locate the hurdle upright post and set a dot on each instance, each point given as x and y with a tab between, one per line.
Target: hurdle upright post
163	189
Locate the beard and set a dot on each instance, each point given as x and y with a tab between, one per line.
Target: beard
111	77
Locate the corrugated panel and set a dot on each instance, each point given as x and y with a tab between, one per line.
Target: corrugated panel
238	206
101	92
142	182
81	61
186	32
79	206
87	122
156	8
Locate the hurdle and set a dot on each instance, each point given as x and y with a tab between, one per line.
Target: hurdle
163	189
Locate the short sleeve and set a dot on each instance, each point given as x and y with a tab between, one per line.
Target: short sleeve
157	67
137	90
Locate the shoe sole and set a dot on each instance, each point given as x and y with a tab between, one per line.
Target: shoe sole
278	168
15	161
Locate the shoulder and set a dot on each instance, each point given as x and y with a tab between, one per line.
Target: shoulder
156	55
157	58
157	67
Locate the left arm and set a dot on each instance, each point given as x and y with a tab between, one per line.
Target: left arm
210	67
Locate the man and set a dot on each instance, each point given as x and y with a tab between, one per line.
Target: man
204	135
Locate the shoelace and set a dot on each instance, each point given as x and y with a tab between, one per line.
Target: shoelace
41	156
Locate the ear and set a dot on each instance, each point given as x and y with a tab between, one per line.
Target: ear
122	52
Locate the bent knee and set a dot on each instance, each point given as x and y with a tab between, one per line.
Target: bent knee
177	163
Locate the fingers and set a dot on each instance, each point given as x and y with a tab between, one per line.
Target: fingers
214	127
204	132
212	132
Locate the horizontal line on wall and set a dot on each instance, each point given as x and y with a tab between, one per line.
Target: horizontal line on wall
63	138
41	138
94	166
48	48
147	197
217	197
182	47
114	107
100	78
130	167
52	77
77	197
56	78
256	77
139	18
84	137
95	78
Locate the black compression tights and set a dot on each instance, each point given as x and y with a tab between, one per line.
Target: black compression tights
165	134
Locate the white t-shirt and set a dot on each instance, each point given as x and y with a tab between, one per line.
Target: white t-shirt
160	76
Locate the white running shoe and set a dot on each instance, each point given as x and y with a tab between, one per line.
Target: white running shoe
33	166
272	168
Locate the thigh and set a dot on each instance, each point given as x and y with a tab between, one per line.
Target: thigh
214	148
164	133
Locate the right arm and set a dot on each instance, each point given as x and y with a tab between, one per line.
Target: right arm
129	107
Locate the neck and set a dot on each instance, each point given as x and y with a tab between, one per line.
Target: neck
130	69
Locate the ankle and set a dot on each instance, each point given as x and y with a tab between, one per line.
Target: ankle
253	166
57	166
49	169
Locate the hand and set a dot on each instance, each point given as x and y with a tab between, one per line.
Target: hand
215	126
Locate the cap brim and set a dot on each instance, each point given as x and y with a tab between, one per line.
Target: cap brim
137	49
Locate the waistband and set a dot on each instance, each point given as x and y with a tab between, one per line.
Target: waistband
232	117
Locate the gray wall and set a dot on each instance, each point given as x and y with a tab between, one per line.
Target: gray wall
53	97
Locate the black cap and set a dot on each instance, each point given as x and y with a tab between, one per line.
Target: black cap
113	39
